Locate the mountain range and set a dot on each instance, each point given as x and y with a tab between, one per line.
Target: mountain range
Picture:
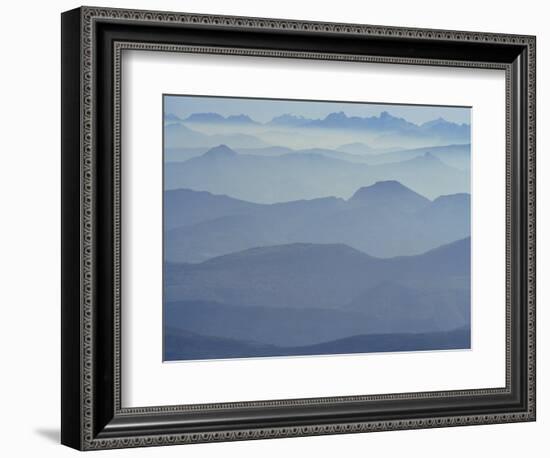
270	179
457	156
185	345
306	236
384	122
313	298
385	219
310	294
340	274
289	130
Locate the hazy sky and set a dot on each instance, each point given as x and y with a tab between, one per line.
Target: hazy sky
263	110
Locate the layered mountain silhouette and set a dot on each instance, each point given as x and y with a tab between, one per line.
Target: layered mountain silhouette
208	118
391	125
457	156
283	275
389	194
290	130
385	219
269	179
383	123
184	207
183	154
170	118
184	345
289	120
268	300
304	236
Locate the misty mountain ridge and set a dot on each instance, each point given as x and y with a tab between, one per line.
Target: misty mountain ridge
202	225
305	235
438	121
289	120
381	132
390	193
184	345
171	117
440	125
220	152
294	176
304	294
184	207
217	118
293	253
457	156
301	276
384	121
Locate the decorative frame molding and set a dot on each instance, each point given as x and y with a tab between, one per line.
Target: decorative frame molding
94	404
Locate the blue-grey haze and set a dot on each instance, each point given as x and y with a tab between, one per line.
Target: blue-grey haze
304	228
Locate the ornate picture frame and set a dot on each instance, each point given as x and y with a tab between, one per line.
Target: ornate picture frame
93	416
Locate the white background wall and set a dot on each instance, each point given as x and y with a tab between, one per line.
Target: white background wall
30	214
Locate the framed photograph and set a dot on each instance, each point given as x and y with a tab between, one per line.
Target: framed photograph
276	228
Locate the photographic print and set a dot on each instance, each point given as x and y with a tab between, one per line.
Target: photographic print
306	227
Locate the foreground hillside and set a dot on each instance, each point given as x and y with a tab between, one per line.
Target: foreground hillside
301	295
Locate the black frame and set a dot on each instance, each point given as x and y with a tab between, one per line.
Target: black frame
92	42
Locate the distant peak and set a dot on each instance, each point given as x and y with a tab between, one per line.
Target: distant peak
298	250
204	117
220	151
337	115
171	117
381	186
435	122
287	116
240	118
383	190
218	118
289	119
